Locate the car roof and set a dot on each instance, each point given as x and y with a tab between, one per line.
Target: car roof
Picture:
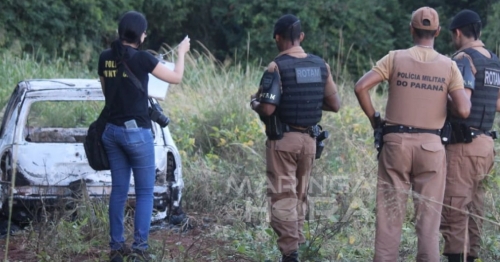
59	83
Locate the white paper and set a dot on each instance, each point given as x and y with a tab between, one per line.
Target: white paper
158	88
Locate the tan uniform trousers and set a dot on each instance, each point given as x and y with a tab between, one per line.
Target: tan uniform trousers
409	162
468	165
289	164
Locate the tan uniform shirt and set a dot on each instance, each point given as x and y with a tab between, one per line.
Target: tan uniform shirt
419	71
297	51
384	66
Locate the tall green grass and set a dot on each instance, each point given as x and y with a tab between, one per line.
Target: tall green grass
14	69
222	144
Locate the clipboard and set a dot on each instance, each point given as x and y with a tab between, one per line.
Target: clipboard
158	88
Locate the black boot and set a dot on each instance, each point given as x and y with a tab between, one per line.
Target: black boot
141	256
455	257
471	259
118	255
292	257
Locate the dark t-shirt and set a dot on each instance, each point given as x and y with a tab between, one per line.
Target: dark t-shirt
129	102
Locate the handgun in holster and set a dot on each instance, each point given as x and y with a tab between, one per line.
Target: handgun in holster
378	133
320	144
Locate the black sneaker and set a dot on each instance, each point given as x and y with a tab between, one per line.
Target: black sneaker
292	257
141	256
118	255
471	259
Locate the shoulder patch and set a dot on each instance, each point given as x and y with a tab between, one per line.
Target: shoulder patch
267	80
464	66
271	88
308	75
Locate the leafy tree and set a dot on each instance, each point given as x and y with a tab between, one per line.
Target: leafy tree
350	35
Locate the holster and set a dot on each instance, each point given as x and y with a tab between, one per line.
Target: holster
446	133
274	128
378	138
320	144
460	133
378	133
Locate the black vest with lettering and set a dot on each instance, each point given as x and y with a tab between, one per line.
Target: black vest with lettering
485	94
303	83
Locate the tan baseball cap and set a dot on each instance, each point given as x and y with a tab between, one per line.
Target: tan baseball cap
425	18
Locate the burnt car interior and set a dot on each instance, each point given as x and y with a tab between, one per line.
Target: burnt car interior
60	121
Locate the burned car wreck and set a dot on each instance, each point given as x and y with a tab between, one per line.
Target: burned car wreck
43	160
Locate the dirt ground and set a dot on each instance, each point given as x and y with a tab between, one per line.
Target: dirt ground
193	244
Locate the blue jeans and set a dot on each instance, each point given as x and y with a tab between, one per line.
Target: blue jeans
130	150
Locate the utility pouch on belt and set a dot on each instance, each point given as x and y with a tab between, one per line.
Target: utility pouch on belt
274	128
446	133
461	133
494	134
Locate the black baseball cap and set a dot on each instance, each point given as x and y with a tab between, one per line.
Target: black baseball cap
463	18
284	23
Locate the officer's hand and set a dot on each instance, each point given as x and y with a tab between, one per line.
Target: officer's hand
184	45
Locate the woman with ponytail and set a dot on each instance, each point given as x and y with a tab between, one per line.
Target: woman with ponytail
128	138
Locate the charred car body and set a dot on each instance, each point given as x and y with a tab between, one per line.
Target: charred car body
41	145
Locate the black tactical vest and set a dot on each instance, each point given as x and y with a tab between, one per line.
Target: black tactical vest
485	94
303	83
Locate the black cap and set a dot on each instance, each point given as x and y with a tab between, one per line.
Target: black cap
463	18
284	23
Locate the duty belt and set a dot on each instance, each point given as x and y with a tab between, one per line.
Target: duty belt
311	130
301	129
477	132
407	129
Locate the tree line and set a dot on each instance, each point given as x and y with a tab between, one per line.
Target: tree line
351	34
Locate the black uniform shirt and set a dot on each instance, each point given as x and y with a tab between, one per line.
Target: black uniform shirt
129	102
